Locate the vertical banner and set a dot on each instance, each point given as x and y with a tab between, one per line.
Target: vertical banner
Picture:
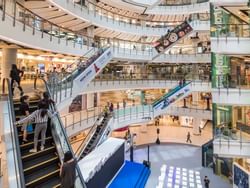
171	37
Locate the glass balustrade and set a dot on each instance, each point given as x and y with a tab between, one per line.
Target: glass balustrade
109	13
232	81
181	2
230	30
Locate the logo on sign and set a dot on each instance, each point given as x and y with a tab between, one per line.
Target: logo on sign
96	68
85	76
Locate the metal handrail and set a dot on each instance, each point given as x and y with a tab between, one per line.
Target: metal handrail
62	128
86	139
182	3
13	118
130	17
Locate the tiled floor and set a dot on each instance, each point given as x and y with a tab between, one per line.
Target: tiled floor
177	156
169	132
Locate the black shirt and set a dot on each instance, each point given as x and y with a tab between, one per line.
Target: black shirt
15	74
23	108
68	174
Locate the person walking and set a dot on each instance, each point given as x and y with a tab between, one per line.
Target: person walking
46	101
206	182
15	75
189	138
41	118
68	171
124	103
111	107
24	109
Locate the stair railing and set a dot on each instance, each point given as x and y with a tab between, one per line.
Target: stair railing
61	138
19	175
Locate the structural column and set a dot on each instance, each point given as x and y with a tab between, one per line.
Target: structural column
90	34
90	100
195	98
196	125
9	57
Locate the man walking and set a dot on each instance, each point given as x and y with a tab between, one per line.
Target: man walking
189	138
206	182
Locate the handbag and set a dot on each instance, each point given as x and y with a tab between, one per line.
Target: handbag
29	128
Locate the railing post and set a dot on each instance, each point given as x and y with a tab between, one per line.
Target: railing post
14	20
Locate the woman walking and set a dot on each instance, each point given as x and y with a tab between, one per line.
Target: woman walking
68	171
24	109
15	75
41	118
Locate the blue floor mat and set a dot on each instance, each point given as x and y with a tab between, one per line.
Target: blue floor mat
132	175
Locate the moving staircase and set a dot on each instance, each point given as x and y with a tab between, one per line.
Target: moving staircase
40	169
69	86
94	137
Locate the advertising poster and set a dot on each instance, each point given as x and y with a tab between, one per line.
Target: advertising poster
241	178
169	99
87	75
220	70
167	40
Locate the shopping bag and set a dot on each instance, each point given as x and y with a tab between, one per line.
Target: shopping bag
29	128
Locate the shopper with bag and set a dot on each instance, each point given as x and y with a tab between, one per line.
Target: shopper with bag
15	75
24	109
40	117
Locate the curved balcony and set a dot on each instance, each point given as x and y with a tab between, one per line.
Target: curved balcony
109	20
37	33
230	38
109	82
79	121
180	7
229	2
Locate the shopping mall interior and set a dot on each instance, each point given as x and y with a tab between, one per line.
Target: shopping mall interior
125	93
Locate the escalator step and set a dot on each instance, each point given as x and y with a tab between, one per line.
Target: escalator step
31	156
42	176
25	150
41	165
30	145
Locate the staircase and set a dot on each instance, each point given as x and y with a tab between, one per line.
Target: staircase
67	88
95	136
41	169
172	37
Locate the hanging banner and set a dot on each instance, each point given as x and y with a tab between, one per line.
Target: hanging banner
87	75
176	34
179	93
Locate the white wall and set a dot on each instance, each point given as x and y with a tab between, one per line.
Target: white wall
185	9
229	2
230	45
230	149
101	86
231	96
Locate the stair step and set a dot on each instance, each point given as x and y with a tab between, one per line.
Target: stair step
41	165
30	145
41	176
31	156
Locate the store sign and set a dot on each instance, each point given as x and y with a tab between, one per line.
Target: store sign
176	34
87	75
168	100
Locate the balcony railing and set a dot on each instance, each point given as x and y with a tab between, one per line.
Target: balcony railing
231	30
181	2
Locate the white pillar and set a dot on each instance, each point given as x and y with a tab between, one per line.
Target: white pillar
90	100
196	125
9	57
195	98
90	34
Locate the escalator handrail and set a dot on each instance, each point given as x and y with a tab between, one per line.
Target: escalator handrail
170	93
81	148
81	57
63	130
70	75
13	117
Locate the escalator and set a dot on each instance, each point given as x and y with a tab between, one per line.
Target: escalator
97	134
172	37
41	169
71	85
177	93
